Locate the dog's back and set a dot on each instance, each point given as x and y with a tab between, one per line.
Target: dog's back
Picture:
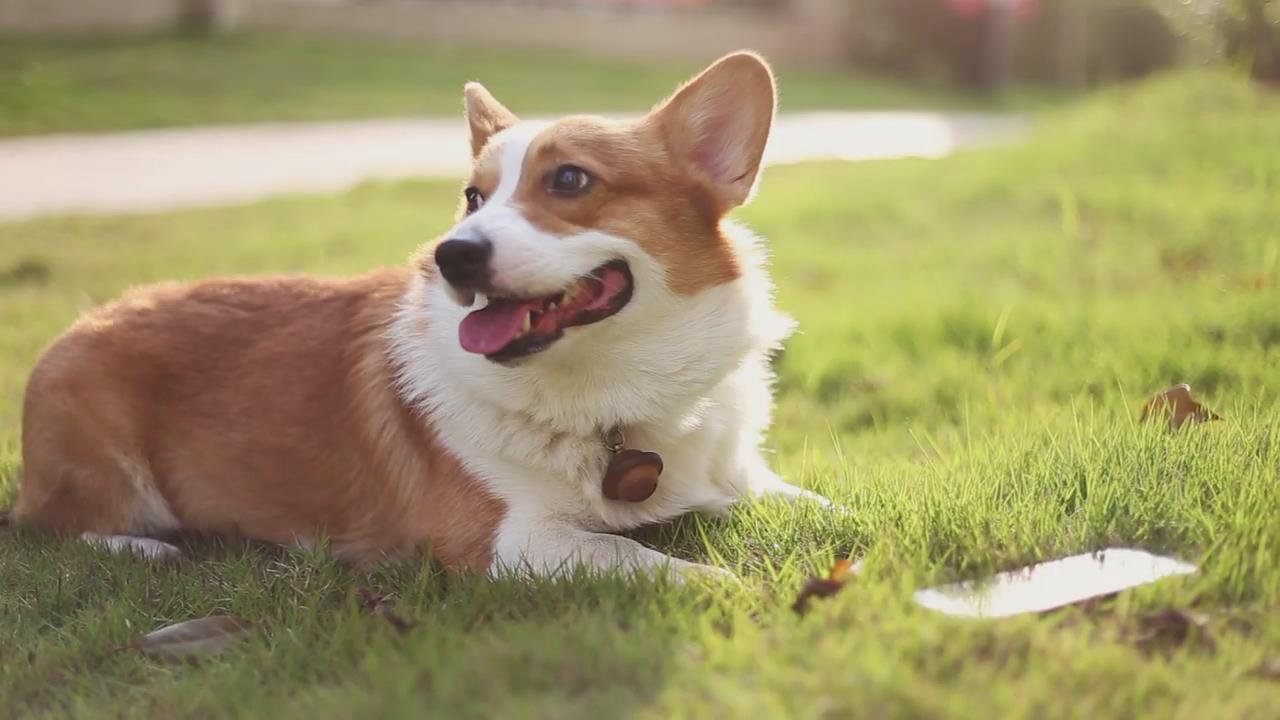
264	407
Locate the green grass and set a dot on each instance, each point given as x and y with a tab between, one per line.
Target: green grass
978	335
82	84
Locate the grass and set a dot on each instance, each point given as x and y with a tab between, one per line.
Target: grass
979	333
85	84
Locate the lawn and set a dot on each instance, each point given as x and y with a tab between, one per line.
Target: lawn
83	84
979	334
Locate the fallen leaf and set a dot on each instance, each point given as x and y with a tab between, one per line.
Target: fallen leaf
195	638
839	574
1267	670
384	606
1172	628
4	517
1177	407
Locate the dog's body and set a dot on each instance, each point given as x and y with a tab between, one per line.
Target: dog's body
385	415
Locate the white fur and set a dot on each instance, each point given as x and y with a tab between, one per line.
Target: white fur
143	547
151	513
686	377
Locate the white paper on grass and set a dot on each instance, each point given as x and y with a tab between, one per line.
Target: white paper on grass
1052	584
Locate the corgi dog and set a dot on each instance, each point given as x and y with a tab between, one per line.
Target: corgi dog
592	299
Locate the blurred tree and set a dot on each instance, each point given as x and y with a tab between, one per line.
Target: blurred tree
1251	35
1132	39
1072	44
960	41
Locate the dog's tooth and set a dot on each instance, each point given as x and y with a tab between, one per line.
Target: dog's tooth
528	321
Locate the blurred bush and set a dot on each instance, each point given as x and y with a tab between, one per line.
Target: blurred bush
934	40
1123	39
916	38
1251	35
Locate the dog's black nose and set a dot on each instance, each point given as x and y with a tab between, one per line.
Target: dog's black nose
465	262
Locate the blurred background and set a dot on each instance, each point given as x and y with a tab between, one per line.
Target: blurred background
1106	191
977	66
1000	224
981	45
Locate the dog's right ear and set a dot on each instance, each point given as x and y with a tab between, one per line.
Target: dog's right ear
485	115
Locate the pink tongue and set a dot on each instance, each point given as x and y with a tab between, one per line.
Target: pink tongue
491	328
614	282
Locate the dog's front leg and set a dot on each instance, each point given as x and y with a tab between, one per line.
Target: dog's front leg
551	547
776	487
763	483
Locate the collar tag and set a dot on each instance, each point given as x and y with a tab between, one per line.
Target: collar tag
632	475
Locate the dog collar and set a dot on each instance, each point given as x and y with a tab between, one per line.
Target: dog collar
632	475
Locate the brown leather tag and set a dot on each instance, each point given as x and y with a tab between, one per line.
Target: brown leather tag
632	475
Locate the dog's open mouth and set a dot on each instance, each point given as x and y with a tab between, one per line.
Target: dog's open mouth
508	328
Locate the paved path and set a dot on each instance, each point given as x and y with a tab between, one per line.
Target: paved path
163	169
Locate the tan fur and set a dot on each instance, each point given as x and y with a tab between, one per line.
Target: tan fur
639	194
717	124
260	407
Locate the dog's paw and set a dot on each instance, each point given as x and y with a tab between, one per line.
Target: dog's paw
764	484
780	490
688	572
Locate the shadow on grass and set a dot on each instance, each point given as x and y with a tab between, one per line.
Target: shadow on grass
580	644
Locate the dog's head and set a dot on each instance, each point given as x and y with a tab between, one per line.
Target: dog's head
586	230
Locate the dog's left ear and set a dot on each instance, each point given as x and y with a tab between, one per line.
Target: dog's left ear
486	116
719	122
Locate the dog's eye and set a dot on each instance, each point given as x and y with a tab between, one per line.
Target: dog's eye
475	199
568	180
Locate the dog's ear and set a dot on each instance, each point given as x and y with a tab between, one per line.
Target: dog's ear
485	115
718	123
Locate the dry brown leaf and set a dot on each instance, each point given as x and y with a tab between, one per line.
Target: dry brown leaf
1267	670
384	606
194	638
1177	407
1172	628
840	573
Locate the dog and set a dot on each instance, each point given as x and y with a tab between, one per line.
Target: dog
592	302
